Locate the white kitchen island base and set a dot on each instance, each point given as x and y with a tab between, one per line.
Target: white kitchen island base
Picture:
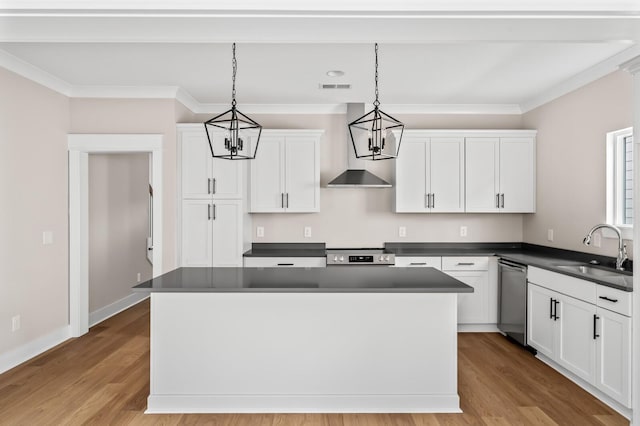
310	352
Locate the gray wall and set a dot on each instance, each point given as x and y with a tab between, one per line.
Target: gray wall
118	221
571	162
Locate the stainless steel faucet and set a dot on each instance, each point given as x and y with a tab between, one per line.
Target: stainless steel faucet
622	248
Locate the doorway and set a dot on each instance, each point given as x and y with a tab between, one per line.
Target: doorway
79	147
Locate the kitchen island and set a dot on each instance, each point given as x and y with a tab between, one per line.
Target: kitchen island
341	339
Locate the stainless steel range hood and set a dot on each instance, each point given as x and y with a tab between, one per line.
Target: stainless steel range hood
356	176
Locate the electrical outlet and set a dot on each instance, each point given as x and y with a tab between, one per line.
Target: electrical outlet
597	240
402	231
47	238
260	231
549	234
463	231
15	323
139	277
307	232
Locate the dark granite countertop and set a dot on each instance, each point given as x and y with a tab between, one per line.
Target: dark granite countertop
526	254
286	250
339	279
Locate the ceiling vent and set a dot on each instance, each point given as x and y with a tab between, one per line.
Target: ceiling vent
335	86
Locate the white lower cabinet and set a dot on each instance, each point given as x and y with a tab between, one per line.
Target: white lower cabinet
589	341
211	233
473	308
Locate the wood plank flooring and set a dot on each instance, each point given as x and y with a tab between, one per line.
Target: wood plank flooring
103	378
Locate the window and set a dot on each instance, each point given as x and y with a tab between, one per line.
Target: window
620	180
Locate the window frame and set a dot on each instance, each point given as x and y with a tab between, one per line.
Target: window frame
615	175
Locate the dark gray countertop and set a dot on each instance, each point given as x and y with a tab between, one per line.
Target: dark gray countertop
526	254
286	250
337	279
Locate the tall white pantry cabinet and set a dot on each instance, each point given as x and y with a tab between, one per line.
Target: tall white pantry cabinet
211	207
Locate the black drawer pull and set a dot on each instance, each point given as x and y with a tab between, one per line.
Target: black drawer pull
609	300
466	263
418	263
285	264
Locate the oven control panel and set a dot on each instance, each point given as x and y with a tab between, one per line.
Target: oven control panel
349	258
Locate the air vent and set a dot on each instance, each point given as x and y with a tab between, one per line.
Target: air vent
335	86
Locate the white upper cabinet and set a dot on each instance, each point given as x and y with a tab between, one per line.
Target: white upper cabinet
476	171
202	176
500	174
430	174
285	175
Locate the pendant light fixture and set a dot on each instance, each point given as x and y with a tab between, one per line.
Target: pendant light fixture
372	134
232	135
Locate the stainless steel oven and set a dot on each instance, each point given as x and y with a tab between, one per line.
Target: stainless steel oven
512	300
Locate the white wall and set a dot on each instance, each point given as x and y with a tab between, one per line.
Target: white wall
33	192
363	217
571	160
118	226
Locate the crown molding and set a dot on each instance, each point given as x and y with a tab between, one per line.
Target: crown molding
134	92
581	79
33	73
632	66
489	109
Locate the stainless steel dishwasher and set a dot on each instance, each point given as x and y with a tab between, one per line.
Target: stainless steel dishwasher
512	300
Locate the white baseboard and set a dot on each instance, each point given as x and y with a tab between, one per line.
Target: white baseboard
115	308
165	404
478	328
624	411
33	348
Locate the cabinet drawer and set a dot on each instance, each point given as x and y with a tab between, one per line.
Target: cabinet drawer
574	287
465	263
419	261
614	300
291	262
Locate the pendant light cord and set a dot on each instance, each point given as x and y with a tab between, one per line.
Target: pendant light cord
235	70
376	103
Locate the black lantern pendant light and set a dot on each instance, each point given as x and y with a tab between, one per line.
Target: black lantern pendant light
374	134
232	135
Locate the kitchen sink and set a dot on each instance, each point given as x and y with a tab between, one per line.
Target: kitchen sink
588	270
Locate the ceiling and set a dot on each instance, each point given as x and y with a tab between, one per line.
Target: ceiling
507	58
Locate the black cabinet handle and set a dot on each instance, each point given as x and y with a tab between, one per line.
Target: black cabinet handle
595	326
418	263
555	310
609	300
466	263
551	308
285	264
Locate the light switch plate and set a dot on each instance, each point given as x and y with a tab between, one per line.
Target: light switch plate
260	231
47	238
402	231
549	234
307	232
463	231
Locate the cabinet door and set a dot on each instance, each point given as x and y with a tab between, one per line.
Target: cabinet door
227	178
446	174
267	176
481	174
226	220
540	324
614	355
197	243
576	347
411	176
473	308
517	175
196	164
302	175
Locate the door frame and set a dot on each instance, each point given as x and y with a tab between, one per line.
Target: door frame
79	148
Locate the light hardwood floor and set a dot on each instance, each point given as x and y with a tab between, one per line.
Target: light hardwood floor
103	378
